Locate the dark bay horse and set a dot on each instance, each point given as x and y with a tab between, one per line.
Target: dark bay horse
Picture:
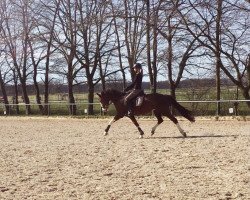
158	103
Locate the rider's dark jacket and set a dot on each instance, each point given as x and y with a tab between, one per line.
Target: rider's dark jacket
136	84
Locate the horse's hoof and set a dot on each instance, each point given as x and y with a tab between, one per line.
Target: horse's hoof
141	136
152	133
105	133
184	134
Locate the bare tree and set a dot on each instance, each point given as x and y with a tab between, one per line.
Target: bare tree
4	73
15	31
117	24
134	31
155	49
94	35
181	46
148	39
152	20
228	45
2	63
46	35
66	37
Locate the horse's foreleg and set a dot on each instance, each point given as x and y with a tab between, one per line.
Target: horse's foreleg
137	125
160	120
110	123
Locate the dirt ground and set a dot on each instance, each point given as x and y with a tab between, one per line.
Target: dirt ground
65	158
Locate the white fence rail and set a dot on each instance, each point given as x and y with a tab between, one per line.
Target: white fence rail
61	107
214	101
199	107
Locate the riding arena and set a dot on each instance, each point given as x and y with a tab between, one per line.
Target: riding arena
70	158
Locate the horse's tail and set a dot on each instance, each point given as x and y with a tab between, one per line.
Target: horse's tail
183	111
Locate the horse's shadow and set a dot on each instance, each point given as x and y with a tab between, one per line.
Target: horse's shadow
193	136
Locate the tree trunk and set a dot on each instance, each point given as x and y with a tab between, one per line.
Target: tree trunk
46	87
150	70
247	90
90	97
130	53
170	60
46	76
15	97
155	47
37	90
5	97
218	84
217	55
38	97
173	91
102	77
119	52
246	95
26	97
72	106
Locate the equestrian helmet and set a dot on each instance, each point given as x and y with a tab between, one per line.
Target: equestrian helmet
137	65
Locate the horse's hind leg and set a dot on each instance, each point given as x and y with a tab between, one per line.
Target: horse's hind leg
173	119
160	120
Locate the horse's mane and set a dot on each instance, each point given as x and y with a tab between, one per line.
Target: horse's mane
113	92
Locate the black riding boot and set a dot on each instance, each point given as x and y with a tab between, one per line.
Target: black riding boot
130	110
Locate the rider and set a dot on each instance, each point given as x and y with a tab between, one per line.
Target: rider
134	88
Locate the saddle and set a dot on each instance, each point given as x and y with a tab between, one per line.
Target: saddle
137	100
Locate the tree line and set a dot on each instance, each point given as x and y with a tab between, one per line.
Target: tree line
94	41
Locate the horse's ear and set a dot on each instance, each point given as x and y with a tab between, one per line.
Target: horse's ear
98	94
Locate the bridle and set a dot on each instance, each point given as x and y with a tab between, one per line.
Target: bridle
106	106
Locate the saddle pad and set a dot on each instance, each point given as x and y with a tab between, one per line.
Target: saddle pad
139	100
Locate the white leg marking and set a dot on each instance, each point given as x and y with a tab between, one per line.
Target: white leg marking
107	129
181	130
111	121
179	127
154	128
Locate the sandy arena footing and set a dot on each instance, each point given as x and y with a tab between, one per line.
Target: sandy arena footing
65	158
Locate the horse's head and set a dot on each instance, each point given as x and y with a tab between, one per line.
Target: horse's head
109	96
104	100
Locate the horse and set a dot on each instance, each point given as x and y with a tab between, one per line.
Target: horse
157	103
